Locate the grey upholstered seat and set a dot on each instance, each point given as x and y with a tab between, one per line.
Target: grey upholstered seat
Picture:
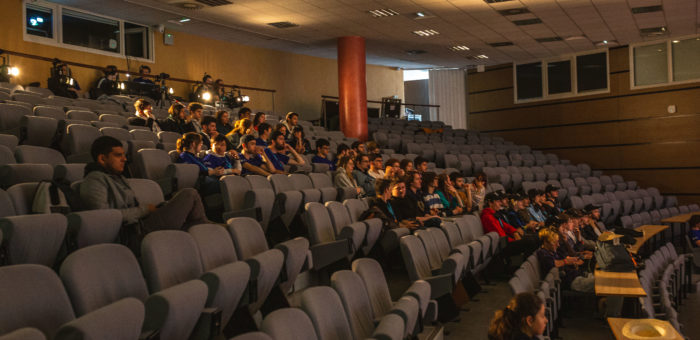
303	183
79	138
33	238
7	155
325	309
266	264
225	276
11	116
9	141
285	192
54	112
344	226
87	116
69	172
113	118
154	164
323	182
240	199
146	191
289	324
38	155
326	247
11	174
438	250
26	333
26	291
94	226
419	267
37	130
92	284
253	336
355	209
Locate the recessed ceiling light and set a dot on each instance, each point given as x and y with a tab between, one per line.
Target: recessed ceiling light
422	15
184	20
575	37
426	33
482	56
385	12
283	24
525	22
676	41
653	31
459	48
604	43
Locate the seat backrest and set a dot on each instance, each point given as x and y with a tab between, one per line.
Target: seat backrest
146	190
280	183
26	292
11	174
215	245
49	111
326	312
38	154
152	163
33	238
452	232
319	222
321	180
474	224
289	324
94	226
6	155
11	115
356	302
355	208
118	133
340	217
248	237
168	258
145	135
415	258
233	191
102	274
258	182
168	136
301	181
87	116
9	141
375	283
81	138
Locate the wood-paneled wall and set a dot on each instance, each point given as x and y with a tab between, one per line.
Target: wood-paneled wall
627	132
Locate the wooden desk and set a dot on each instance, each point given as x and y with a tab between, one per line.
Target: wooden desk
624	284
616	325
649	232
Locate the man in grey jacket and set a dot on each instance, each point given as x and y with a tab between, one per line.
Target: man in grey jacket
104	187
363	179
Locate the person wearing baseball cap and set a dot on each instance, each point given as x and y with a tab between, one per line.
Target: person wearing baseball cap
518	215
535	209
516	243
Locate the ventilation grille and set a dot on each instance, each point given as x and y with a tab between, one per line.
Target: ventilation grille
550	39
215	3
527	22
283	24
501	44
647	9
653	31
514	11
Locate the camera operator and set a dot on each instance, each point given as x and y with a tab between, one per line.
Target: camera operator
144	71
207	86
62	83
107	85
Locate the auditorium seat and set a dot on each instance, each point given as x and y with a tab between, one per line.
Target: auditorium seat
324	183
145	135
11	116
54	112
38	131
266	264
345	228
26	333
439	252
356	303
457	243
326	246
86	228
324	308
121	134
374	226
290	198
240	200
11	174
372	276
289	324
39	91
9	141
419	267
154	164
303	183
91	285
33	238
79	141
26	291
113	118
83	115
69	172
146	191
32	99
6	156
38	155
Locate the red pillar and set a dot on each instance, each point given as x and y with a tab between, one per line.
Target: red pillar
352	87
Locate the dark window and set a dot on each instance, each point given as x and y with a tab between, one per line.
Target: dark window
39	21
559	77
136	40
529	80
592	72
90	31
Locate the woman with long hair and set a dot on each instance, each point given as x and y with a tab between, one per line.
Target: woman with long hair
223	123
448	195
343	177
523	319
258	119
244	127
177	119
478	191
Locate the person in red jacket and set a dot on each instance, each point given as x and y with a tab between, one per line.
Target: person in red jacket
516	245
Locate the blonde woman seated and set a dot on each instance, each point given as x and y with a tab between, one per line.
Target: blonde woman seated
343	175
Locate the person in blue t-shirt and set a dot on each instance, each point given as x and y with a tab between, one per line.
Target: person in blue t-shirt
695	230
323	147
253	158
279	151
189	146
218	156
